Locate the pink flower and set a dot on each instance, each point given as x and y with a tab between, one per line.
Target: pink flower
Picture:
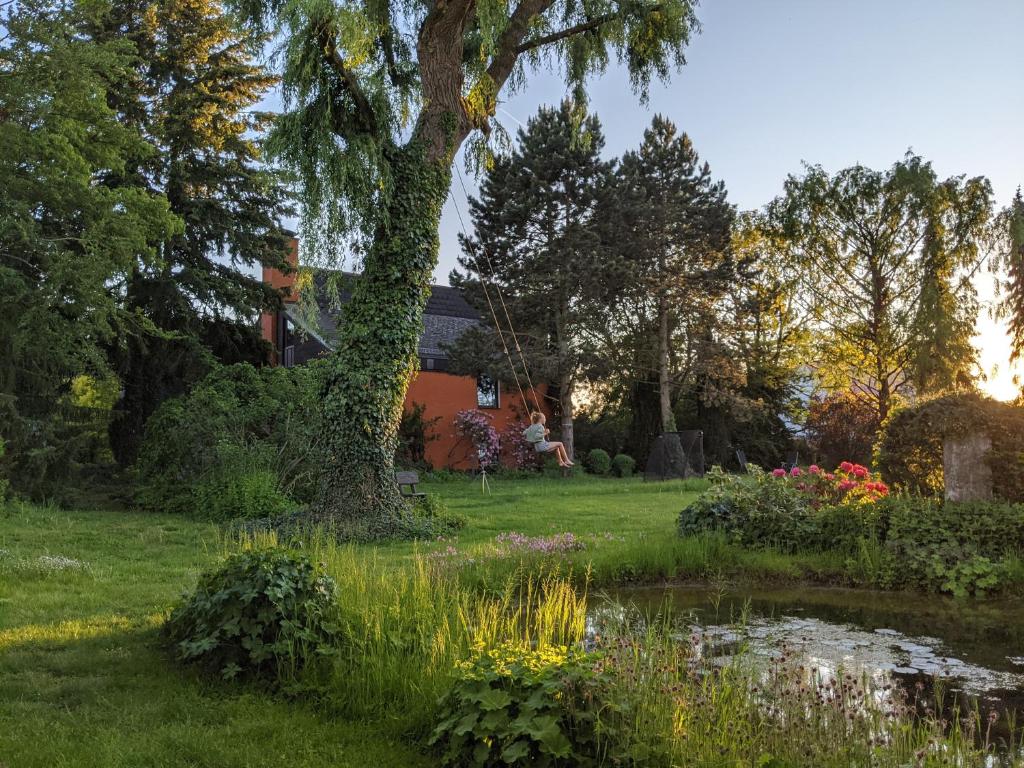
778	473
814	469
829	476
860	472
847	485
846	466
795	472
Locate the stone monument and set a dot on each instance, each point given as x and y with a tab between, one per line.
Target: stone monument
968	476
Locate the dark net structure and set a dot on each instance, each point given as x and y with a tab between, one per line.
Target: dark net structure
676	455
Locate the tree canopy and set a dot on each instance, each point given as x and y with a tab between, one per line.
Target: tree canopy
885	259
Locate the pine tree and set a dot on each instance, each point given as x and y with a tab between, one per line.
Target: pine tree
539	238
191	94
675	225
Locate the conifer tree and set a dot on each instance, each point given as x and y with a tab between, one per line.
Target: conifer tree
192	93
539	238
675	223
65	237
380	97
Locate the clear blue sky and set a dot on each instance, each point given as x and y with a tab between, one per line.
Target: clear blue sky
772	83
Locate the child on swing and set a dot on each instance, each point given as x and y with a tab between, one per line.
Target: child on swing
537	434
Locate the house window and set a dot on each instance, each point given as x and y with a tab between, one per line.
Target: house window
486	392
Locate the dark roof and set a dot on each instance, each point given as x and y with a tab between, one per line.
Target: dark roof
444	300
447	315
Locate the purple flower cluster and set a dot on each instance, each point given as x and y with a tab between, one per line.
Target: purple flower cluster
555	544
518	447
477	427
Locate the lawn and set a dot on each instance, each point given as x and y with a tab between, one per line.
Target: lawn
83	681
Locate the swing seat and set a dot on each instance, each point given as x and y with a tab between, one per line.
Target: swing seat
409	480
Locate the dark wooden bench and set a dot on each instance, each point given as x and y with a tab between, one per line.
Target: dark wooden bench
409	480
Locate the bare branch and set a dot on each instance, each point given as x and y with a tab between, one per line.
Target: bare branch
578	29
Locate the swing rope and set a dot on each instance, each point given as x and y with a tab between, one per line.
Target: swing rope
490	305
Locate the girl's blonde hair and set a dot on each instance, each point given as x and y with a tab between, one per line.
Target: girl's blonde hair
536	416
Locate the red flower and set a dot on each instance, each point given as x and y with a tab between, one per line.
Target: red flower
846	466
860	472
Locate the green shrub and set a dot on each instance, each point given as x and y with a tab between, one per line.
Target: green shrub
240	485
4	482
514	707
623	465
433	508
910	450
272	413
262	615
753	510
947	547
599	462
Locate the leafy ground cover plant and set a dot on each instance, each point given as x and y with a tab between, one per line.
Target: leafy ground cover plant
264	614
961	549
889	541
513	706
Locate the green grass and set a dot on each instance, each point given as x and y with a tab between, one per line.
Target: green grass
84	681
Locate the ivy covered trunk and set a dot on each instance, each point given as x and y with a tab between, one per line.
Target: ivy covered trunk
376	356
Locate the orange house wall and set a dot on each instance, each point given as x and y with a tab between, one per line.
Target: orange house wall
444	395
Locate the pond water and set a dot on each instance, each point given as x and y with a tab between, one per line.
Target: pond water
975	648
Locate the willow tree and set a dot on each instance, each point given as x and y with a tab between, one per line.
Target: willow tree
379	97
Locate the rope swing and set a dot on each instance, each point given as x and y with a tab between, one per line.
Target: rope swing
490	305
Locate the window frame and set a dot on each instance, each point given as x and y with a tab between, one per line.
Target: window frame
497	393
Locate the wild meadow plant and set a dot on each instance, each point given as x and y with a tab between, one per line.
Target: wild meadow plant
407	631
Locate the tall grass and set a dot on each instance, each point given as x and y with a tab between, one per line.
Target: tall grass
405	625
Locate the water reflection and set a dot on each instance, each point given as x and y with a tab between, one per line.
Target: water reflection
967	653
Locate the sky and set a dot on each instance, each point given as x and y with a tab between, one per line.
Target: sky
770	84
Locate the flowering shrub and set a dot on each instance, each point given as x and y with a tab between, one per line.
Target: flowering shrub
478	428
850	483
517	447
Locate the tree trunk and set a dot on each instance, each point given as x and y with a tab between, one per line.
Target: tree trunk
565	382
668	419
377	353
565	395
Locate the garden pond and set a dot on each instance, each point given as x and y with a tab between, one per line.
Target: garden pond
969	650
